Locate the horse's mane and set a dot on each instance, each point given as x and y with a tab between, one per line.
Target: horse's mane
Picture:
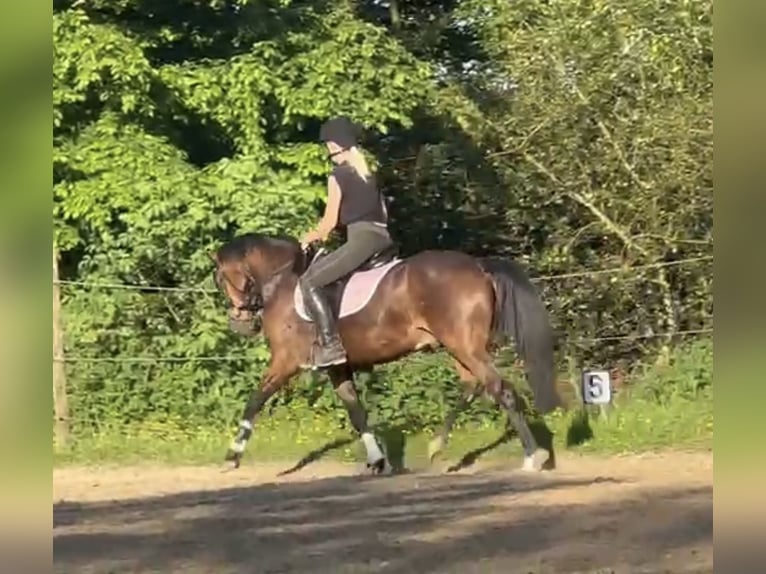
240	246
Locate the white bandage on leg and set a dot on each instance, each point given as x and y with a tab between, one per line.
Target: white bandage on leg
374	453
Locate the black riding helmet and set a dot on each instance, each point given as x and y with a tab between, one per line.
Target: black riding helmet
340	130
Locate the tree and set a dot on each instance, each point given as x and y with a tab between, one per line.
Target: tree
571	136
176	126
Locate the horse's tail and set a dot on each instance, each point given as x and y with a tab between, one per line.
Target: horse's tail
521	314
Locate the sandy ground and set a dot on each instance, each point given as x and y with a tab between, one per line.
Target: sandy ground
635	514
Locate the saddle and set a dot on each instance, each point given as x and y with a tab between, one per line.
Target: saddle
351	293
379	259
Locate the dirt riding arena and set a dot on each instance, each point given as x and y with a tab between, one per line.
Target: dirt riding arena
651	513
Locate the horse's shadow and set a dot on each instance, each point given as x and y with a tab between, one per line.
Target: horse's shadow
470	458
580	430
394	443
540	430
318	453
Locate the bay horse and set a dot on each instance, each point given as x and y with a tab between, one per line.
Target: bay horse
387	309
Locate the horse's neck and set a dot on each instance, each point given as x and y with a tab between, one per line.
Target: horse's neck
284	285
289	281
285	273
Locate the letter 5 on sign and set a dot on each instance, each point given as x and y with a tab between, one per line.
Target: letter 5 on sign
596	387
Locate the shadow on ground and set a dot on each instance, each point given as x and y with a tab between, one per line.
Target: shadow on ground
317	454
492	522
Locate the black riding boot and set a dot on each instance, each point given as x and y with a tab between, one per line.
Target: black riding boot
330	351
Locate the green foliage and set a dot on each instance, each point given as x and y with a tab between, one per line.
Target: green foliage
639	421
689	375
570	136
584	141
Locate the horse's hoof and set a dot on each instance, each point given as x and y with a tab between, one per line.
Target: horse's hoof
434	448
233	457
535	461
377	467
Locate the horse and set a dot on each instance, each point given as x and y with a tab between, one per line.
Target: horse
387	309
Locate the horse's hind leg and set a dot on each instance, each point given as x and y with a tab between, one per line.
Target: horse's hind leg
534	457
472	390
505	395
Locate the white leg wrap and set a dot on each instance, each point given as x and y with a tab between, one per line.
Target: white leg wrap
238	444
374	453
535	461
529	464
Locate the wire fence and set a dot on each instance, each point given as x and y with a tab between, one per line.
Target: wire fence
91	419
227	358
198	289
623	269
233	358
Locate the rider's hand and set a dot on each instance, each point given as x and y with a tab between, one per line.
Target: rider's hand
308	238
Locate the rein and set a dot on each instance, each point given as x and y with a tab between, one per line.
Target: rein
254	302
271	283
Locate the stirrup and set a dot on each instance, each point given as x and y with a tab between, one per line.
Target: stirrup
335	350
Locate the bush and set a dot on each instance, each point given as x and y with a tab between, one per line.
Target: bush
689	373
412	395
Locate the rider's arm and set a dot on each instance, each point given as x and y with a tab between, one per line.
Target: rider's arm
330	218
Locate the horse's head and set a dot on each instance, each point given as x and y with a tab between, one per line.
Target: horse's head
248	270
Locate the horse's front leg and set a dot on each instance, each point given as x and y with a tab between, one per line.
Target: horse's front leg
276	376
342	379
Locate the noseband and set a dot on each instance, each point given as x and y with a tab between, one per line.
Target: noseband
254	298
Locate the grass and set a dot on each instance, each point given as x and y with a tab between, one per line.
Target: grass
636	426
663	407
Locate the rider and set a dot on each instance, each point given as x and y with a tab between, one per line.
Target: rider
353	202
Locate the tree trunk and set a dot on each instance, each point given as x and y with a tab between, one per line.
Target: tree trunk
396	18
60	400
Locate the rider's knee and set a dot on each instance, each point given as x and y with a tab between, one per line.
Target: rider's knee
306	281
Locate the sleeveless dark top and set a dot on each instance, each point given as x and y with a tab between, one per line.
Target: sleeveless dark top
360	199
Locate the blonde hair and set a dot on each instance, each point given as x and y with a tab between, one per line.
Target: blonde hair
356	160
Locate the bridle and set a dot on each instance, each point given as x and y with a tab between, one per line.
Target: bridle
249	294
254	299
